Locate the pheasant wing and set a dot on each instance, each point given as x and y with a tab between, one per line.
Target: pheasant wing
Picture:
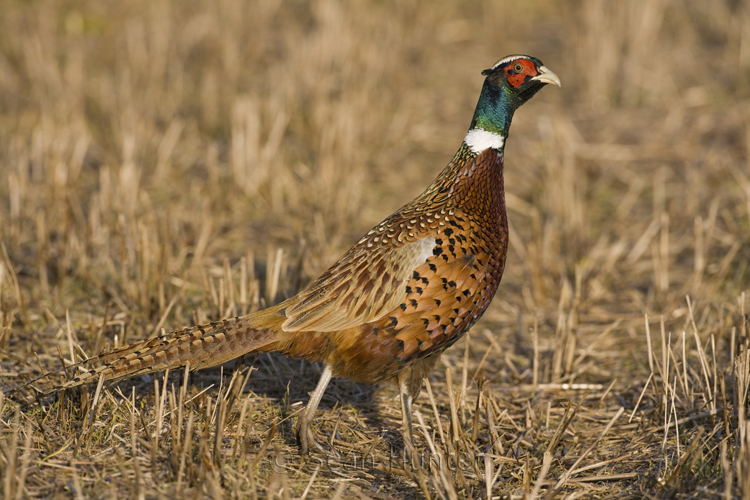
367	283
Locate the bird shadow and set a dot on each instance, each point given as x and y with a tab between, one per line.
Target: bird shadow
288	383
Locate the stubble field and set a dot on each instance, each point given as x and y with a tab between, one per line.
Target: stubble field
167	163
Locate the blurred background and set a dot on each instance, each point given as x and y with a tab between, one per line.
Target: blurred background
144	138
164	163
141	141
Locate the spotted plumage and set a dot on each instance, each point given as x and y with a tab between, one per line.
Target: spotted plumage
408	289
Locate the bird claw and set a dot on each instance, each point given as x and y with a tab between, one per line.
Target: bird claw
305	438
410	451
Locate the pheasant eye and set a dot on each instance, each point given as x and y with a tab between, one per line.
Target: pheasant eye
518	68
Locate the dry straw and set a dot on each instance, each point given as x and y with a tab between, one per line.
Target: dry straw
165	164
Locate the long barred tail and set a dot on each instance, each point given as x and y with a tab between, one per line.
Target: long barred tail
200	346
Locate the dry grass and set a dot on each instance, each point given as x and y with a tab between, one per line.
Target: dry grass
164	163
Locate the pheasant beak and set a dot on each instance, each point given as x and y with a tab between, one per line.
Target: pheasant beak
546	76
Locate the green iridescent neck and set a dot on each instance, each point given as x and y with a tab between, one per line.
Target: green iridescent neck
494	110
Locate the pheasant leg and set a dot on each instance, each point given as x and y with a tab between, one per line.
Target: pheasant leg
304	433
407	431
409	385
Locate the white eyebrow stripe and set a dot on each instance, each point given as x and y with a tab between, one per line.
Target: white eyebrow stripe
507	60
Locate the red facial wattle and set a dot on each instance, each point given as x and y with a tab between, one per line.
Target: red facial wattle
516	78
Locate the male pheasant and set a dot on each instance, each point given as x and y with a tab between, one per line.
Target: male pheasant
407	290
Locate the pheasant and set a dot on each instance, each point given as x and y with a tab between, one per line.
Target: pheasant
407	290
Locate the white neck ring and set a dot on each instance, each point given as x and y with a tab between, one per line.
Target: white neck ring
479	139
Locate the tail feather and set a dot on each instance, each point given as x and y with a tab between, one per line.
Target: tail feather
200	346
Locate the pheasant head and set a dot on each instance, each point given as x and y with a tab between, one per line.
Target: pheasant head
511	82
